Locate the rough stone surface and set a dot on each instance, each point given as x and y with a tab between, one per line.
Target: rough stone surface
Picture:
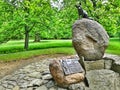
16	88
108	64
43	87
60	78
47	77
89	39
114	62
94	65
2	88
100	79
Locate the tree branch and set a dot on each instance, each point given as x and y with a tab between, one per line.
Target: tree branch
32	26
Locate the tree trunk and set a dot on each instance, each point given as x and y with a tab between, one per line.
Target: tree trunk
37	37
26	37
119	36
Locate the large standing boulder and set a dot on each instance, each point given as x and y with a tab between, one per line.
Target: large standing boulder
89	39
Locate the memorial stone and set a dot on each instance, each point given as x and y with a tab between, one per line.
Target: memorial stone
89	39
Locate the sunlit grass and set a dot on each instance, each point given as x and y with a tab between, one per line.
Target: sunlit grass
13	50
28	54
18	46
114	47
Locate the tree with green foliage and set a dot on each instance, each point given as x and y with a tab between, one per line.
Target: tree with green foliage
26	14
40	19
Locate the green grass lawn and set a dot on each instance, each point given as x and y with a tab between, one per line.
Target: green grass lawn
13	50
114	46
17	46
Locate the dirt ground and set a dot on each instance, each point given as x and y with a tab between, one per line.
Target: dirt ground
7	68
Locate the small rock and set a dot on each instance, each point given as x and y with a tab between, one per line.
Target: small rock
13	83
16	88
52	88
35	75
7	89
50	84
30	88
46	72
36	82
43	87
116	65
2	88
108	64
4	85
76	87
45	81
47	77
13	78
61	88
23	85
10	86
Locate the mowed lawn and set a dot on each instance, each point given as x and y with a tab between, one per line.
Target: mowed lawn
114	46
14	50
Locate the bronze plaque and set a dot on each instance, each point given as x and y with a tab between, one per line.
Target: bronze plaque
71	66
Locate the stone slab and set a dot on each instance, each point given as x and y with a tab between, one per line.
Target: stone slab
94	65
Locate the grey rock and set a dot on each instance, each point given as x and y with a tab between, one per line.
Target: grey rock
98	77
14	78
89	39
5	85
7	77
10	86
46	72
52	88
7	89
101	80
29	88
21	76
28	70
47	77
43	87
50	84
13	83
108	64
45	81
117	82
23	85
116	66
35	75
26	78
36	82
61	88
16	88
94	65
77	86
2	88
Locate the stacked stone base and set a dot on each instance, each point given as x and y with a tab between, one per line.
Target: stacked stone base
102	75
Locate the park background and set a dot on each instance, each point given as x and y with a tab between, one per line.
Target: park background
30	28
